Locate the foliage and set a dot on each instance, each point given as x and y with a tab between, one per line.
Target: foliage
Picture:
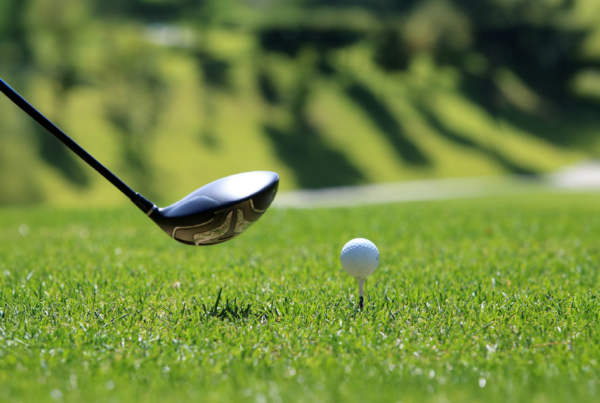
527	67
135	96
517	59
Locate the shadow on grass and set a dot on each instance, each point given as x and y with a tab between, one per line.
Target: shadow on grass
232	310
315	163
229	310
267	88
381	115
561	120
449	134
57	155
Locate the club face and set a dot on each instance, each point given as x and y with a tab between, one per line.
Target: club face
219	211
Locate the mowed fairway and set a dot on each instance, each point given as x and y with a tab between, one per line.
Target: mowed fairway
474	300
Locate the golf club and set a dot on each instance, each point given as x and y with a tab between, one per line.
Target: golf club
215	213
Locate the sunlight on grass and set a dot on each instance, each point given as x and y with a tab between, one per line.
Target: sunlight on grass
480	300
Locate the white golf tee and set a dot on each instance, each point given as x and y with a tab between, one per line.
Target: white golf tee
361	282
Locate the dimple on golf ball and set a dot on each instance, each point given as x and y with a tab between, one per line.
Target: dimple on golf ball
360	257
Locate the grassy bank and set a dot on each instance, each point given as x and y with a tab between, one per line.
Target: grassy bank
360	126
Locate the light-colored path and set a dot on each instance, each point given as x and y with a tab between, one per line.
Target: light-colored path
583	177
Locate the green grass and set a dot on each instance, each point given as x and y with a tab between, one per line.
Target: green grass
99	305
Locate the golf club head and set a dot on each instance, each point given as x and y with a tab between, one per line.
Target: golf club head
219	211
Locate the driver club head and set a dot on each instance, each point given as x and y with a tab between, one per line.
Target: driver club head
219	211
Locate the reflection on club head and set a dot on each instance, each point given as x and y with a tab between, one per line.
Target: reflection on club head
219	211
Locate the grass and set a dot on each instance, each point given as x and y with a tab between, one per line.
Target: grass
480	300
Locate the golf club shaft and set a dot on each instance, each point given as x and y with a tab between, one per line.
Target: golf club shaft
135	197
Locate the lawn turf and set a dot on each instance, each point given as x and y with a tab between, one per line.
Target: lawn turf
475	300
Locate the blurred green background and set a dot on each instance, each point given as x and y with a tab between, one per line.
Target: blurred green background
171	94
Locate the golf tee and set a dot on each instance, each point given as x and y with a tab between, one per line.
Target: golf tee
361	282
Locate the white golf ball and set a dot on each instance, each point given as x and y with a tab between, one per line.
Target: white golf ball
360	257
